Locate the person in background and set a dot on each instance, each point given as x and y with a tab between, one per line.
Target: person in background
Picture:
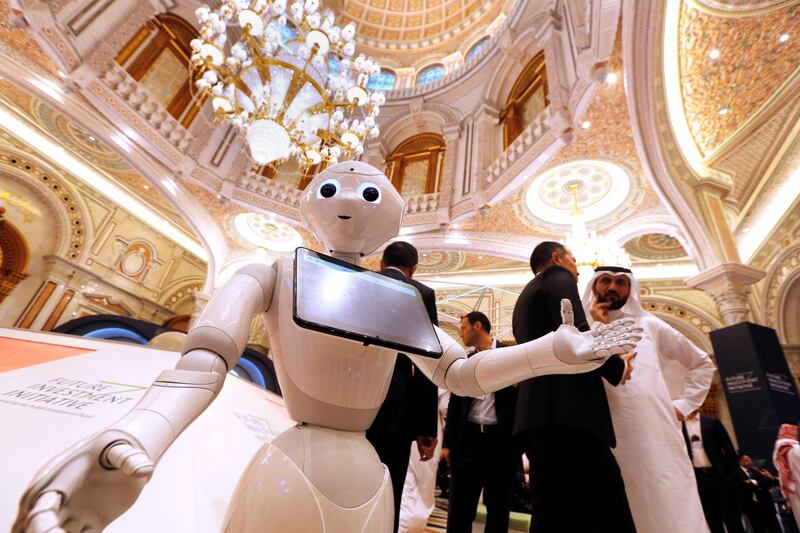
650	450
715	462
564	421
755	499
419	498
478	445
409	412
787	459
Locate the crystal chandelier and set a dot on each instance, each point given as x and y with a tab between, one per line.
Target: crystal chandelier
290	80
590	249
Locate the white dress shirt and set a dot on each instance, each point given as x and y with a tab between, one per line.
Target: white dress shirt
482	410
699	457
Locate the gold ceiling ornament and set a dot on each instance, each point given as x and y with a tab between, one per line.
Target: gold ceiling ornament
290	80
29	211
590	249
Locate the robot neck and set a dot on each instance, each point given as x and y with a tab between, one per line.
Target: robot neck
354	258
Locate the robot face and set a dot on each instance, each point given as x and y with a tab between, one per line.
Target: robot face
352	208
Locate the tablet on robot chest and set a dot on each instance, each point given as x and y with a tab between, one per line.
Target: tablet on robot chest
345	300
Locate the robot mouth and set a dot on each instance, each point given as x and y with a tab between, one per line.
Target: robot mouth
345	217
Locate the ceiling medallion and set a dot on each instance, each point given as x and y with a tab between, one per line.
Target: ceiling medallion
600	187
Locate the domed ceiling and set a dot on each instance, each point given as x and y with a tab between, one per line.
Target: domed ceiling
730	66
395	27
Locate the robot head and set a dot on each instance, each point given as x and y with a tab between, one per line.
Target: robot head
352	208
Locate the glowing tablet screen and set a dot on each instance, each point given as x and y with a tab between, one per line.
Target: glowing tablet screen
345	300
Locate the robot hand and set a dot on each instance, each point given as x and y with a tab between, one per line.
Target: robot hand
86	487
573	347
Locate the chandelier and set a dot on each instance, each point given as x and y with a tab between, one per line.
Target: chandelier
290	81
590	249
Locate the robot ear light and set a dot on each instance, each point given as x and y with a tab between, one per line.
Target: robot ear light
329	188
369	192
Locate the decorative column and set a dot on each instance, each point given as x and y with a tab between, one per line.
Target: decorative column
729	284
451	134
487	142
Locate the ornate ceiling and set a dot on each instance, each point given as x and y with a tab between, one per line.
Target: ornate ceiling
17	41
730	66
738	8
82	143
604	135
656	247
394	27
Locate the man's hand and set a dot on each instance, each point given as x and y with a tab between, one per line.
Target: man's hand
599	312
628	358
426	446
445	454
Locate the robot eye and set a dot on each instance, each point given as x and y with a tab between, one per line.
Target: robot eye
369	192
329	188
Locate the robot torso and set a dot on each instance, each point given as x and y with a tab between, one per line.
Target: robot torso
326	380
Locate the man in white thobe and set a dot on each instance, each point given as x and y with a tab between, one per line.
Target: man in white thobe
651	452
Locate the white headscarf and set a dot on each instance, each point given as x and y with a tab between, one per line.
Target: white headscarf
632	307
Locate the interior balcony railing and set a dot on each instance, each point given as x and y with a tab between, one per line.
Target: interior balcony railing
146	106
422	203
277	191
503	169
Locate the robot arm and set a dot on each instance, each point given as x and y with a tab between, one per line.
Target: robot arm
565	351
92	483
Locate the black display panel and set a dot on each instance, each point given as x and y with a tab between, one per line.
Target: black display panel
345	300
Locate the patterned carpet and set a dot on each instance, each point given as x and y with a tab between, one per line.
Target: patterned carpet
438	520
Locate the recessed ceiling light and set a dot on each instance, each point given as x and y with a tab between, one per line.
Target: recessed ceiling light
724	110
147	187
714	54
91	138
62	74
586	124
611	77
218	197
783	38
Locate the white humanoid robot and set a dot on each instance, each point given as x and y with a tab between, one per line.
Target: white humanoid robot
321	475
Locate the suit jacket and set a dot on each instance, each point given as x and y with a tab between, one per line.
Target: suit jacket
505	401
717	445
411	406
746	490
559	400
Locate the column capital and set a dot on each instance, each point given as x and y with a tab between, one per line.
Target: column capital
729	285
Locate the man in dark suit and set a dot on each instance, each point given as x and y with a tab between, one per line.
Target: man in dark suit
715	464
564	421
755	500
478	446
410	410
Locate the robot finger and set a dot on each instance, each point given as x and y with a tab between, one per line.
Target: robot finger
567	315
44	515
602	352
131	460
617	349
627	321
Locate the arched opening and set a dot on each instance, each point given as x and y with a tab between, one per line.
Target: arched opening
528	98
14	257
790	314
429	74
415	166
383	81
158	58
476	48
